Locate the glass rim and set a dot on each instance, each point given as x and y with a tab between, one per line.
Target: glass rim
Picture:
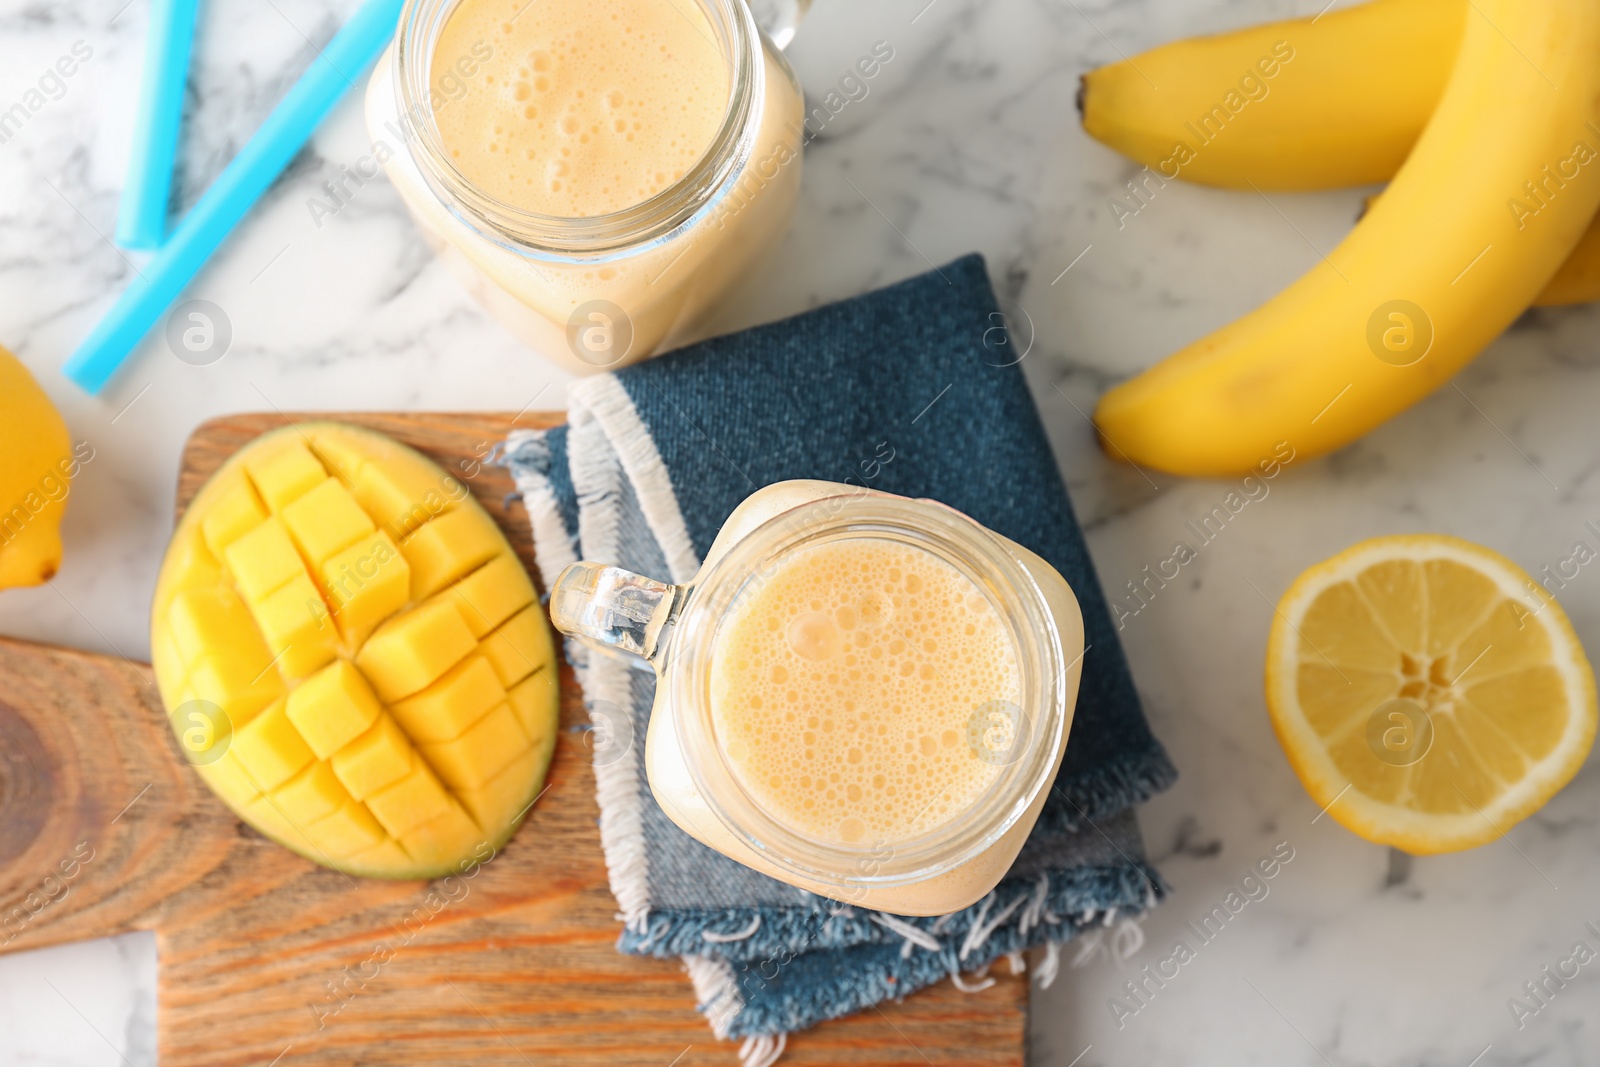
1017	598
558	237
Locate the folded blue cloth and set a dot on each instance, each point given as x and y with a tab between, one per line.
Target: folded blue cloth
899	390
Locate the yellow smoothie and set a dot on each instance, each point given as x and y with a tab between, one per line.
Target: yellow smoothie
849	691
581	109
505	106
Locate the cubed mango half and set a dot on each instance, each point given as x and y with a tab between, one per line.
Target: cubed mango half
382	674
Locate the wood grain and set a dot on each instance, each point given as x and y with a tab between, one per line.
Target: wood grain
263	955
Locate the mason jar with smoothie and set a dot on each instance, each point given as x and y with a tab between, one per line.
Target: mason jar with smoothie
597	175
859	694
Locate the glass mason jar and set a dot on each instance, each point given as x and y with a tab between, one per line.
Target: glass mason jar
600	292
675	628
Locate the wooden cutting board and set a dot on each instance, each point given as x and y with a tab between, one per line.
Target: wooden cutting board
267	959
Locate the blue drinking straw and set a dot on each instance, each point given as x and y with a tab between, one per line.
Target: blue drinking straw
352	50
142	220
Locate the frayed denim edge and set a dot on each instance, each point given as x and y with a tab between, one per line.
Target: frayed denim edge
1074	896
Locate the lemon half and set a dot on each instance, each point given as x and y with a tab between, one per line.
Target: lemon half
1429	694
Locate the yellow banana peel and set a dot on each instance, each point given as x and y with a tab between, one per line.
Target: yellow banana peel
1312	103
1578	279
1500	188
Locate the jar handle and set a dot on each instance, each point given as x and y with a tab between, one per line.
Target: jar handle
779	19
615	609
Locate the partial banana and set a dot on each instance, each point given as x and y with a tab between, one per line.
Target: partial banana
1310	103
1578	279
1497	192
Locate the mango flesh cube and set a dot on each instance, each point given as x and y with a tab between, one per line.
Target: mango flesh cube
377	758
366	583
409	651
263	560
402	494
311	794
235	511
232	682
345	602
203	733
333	707
344	453
285	474
440	842
413	800
349	830
444	710
449	547
536	702
520	646
200	620
228	779
270	749
294	621
509	793
491	594
325	520
479	754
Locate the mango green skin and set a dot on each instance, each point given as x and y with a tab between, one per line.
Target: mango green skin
1458	246
36	467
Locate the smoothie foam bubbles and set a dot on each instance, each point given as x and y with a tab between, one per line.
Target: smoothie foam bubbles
581	109
849	690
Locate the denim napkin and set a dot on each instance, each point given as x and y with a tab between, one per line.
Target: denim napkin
904	390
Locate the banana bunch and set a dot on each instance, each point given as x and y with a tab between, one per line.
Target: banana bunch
1485	115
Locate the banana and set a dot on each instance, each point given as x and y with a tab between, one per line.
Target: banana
1309	103
1578	279
1352	51
1497	192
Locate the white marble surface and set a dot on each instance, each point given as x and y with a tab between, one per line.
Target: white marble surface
967	141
